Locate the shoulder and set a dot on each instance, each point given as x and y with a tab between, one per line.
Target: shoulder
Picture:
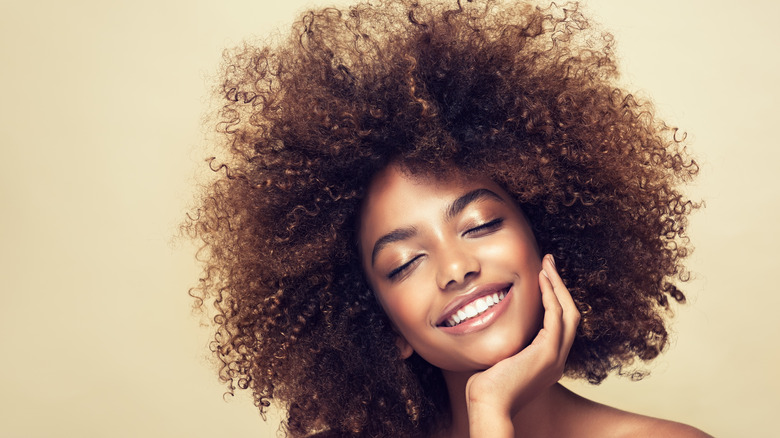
648	427
622	424
604	421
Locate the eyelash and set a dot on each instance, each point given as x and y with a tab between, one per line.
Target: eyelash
399	270
485	228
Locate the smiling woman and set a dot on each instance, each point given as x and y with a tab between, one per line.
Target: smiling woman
394	174
458	242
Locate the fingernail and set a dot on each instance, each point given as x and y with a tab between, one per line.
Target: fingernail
552	260
545	273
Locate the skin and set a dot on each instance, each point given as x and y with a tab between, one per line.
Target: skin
433	245
443	259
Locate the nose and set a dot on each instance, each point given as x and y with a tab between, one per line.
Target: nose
456	267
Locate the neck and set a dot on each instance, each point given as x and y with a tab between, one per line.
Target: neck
536	419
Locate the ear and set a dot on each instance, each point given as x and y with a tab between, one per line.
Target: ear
404	347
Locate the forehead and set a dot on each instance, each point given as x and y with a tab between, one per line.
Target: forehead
396	196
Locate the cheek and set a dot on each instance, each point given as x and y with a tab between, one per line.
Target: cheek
404	308
398	309
512	253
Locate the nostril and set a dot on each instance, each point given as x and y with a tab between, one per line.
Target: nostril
467	277
457	266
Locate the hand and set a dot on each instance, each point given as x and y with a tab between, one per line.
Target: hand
495	395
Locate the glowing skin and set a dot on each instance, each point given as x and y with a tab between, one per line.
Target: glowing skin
456	267
454	264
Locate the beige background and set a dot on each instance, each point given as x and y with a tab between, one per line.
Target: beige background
101	139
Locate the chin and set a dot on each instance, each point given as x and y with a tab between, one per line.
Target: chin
496	354
492	350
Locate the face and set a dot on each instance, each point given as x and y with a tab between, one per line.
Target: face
454	264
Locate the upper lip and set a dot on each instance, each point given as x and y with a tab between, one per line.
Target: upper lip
470	295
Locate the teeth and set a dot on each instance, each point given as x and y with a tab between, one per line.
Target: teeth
481	305
474	308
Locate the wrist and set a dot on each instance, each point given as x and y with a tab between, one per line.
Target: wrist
489	421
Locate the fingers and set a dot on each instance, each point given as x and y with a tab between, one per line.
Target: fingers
553	311
560	320
570	316
517	379
560	290
514	381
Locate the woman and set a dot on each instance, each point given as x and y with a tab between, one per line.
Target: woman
395	173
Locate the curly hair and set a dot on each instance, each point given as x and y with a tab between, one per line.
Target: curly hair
523	94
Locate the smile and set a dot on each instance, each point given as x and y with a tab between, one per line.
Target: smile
474	308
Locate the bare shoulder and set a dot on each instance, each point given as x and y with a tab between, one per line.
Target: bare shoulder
650	427
604	421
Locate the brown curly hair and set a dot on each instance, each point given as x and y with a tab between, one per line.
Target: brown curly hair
523	94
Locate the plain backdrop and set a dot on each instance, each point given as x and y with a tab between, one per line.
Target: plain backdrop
102	141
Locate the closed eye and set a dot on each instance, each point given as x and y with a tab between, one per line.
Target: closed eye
485	229
403	268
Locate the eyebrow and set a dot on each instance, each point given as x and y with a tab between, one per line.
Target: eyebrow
453	210
473	196
393	236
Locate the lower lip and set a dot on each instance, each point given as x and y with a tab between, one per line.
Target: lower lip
481	321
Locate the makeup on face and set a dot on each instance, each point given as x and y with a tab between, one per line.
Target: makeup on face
454	264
